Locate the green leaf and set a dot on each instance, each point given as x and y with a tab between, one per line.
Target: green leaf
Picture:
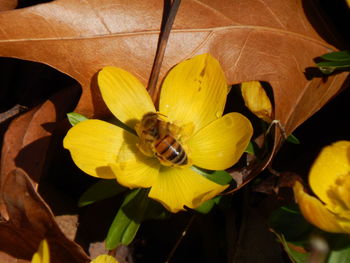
294	233
74	118
103	189
337	56
340	249
219	177
289	221
250	149
329	67
155	211
297	256
292	230
334	64
292	139
207	206
128	219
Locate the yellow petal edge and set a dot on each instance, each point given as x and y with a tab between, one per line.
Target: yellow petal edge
104	259
220	144
176	188
43	253
315	212
94	144
124	95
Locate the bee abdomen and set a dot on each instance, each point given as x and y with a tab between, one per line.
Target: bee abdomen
170	150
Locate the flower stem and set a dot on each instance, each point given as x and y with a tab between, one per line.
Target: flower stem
153	89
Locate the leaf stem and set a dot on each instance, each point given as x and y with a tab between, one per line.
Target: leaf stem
153	89
14	111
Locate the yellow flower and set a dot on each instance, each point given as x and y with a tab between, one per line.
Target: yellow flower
256	100
104	259
191	104
329	179
43	254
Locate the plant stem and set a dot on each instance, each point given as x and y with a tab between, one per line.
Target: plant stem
153	89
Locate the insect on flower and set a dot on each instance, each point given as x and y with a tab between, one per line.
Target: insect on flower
159	138
187	129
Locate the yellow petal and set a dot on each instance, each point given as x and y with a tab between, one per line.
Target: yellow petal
315	212
124	95
219	145
93	145
176	188
134	169
195	91
104	259
332	162
256	100
43	254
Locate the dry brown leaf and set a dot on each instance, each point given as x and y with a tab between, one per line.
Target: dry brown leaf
29	216
27	139
26	146
8	4
269	40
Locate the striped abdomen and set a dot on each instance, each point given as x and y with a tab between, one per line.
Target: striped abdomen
170	151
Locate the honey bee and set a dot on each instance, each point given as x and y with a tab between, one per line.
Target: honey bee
158	139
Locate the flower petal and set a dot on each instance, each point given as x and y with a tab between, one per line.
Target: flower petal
94	144
43	253
124	95
256	100
195	91
219	145
134	169
315	212
177	187
332	162
104	259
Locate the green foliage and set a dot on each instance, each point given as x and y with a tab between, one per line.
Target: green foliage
340	249
337	56
292	139
207	206
295	233
290	222
127	221
219	177
334	60
74	118
103	189
136	208
250	149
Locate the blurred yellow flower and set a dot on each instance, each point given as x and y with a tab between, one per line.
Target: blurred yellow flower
191	105
256	100
43	253
104	259
329	179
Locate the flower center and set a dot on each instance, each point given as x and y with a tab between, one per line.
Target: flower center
161	139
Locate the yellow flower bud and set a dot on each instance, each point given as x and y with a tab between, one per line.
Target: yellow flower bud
256	100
